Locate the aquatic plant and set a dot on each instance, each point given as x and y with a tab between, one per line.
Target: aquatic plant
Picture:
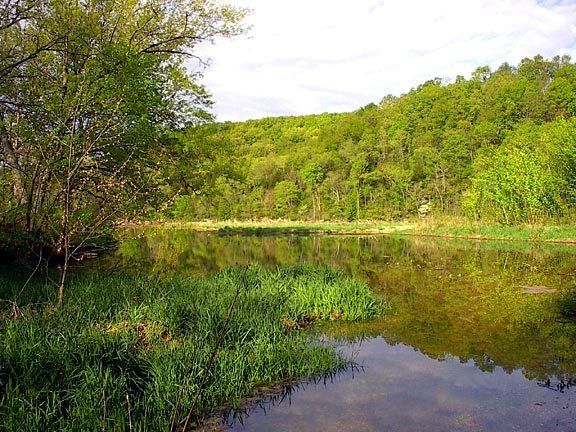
123	350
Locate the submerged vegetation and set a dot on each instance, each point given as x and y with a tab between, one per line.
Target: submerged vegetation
128	353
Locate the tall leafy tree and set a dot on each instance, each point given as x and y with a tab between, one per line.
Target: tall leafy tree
88	91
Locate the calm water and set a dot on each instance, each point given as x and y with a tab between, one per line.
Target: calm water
402	389
464	348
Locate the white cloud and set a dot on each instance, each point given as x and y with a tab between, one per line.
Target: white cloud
312	56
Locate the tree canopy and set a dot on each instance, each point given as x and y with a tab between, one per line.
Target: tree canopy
499	145
90	94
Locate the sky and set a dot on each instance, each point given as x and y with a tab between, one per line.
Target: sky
314	56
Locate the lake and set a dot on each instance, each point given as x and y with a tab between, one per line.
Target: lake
478	337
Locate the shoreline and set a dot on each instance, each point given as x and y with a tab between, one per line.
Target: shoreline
559	234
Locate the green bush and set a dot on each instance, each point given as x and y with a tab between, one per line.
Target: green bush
530	178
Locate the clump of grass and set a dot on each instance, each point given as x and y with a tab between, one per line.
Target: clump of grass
122	350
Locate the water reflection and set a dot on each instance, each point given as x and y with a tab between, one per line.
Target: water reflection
404	390
481	337
268	399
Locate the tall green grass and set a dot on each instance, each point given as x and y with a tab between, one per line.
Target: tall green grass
123	350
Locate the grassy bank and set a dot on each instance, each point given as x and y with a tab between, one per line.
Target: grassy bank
284	226
463	228
441	227
123	351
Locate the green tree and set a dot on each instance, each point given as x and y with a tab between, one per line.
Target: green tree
286	196
529	178
313	175
84	122
431	143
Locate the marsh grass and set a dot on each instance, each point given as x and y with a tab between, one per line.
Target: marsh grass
123	349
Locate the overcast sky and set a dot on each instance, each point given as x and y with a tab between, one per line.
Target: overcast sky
313	56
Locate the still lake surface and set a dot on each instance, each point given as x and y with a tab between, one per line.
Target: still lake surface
475	341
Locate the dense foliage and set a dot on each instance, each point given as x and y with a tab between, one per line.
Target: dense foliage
134	358
89	94
500	145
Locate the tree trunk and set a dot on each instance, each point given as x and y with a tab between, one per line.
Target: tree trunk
63	274
313	205
18	187
65	243
357	203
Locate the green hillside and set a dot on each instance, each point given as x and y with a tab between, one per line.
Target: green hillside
499	146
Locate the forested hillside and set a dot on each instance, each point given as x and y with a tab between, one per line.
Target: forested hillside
499	146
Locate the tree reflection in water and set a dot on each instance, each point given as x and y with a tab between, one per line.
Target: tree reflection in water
460	302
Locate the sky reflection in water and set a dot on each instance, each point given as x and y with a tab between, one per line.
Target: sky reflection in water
401	389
